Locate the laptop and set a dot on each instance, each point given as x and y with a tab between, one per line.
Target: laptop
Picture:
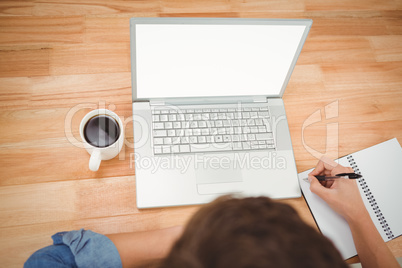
208	113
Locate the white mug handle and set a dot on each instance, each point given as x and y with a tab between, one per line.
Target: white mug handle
95	160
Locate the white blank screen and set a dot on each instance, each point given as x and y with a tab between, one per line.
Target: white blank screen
175	60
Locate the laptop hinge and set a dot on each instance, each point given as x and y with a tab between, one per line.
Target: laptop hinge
157	102
260	99
162	102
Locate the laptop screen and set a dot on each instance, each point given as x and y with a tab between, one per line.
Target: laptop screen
193	60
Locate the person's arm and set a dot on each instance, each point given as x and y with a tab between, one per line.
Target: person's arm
343	196
141	247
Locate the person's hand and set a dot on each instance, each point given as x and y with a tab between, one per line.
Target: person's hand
342	195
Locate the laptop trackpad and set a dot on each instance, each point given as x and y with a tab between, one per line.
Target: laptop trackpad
216	180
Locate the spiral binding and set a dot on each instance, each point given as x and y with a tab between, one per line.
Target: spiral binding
371	199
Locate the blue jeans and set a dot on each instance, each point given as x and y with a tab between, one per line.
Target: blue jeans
76	249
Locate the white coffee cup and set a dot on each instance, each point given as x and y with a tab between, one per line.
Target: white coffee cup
101	150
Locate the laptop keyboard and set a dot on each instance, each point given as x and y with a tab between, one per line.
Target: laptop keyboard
194	129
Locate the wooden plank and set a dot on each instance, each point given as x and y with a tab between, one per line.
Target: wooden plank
53	91
362	76
338	56
350	24
50	162
50	92
331	43
261	5
67	200
90	58
16	8
387	48
96	8
31	62
14	92
395	27
107	29
350	5
20	30
183	6
374	106
336	49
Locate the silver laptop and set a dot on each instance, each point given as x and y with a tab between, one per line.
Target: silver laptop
208	113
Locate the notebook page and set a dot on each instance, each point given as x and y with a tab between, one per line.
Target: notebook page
381	167
331	224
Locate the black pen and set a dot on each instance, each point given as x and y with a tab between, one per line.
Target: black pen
338	176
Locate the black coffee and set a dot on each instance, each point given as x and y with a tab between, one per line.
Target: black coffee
101	131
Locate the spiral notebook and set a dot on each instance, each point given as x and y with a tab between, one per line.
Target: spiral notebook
381	191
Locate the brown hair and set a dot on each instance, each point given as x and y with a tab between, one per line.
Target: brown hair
250	232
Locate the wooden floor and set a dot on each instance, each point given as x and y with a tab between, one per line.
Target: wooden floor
60	59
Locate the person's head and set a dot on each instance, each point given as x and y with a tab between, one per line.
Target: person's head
250	232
